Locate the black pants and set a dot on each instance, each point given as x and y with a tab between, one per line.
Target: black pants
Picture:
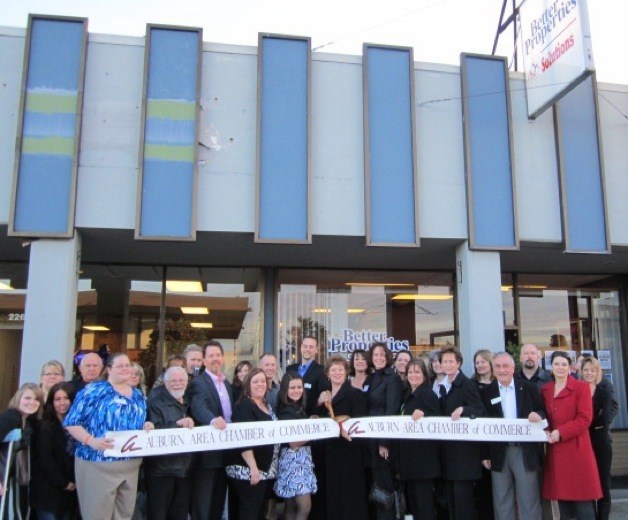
461	499
603	450
579	510
168	497
251	499
383	477
209	489
420	495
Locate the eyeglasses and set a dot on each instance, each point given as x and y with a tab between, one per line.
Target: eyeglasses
120	366
51	374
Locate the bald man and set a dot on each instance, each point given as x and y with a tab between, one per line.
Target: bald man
90	368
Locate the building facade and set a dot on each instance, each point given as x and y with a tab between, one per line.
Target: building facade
164	190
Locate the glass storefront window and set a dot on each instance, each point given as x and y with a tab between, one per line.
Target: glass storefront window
13	277
579	314
119	307
346	310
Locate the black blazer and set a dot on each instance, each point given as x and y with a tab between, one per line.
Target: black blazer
205	406
603	409
384	398
528	400
247	411
419	459
314	382
462	460
53	470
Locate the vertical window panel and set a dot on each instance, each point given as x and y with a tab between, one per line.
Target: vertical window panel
283	140
168	169
585	227
44	190
390	182
488	153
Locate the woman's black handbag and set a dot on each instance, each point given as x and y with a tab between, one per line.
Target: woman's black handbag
381	497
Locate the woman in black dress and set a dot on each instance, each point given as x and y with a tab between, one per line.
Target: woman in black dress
383	398
53	488
603	414
253	470
419	460
344	458
462	460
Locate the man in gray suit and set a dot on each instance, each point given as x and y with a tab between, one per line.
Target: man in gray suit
211	403
514	466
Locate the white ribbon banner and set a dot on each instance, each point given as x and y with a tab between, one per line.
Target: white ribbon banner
444	428
140	443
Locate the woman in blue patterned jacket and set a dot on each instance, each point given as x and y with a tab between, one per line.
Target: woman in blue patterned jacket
106	486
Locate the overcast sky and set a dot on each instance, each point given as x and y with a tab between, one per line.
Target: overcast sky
438	30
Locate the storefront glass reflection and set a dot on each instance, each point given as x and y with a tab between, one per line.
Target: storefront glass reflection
346	310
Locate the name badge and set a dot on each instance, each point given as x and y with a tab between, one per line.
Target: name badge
308	386
496	400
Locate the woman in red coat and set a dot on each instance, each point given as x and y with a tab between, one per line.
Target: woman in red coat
571	475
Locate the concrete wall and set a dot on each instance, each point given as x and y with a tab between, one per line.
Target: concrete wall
107	182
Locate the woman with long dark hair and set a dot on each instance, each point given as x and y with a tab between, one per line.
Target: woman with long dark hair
53	484
240	372
383	398
571	474
295	474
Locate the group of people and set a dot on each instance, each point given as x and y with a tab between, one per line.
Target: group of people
65	425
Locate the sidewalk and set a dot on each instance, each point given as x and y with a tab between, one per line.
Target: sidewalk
619	497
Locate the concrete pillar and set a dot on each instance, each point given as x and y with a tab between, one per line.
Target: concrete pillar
50	311
479	303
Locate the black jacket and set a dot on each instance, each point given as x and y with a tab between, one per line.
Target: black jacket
540	378
164	411
528	400
314	382
205	406
247	411
462	460
420	459
383	398
52	469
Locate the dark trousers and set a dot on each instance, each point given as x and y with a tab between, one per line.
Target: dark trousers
603	450
383	477
420	495
579	510
168	497
209	489
251	499
461	499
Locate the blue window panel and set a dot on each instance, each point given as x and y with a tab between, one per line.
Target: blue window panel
175	180
391	185
488	153
45	183
582	190
168	179
283	140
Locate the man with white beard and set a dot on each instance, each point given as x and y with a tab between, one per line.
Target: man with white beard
169	477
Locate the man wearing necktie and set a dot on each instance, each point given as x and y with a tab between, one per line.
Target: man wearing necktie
211	404
313	374
514	466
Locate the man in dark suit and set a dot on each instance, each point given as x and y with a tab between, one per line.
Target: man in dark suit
313	374
514	466
211	403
